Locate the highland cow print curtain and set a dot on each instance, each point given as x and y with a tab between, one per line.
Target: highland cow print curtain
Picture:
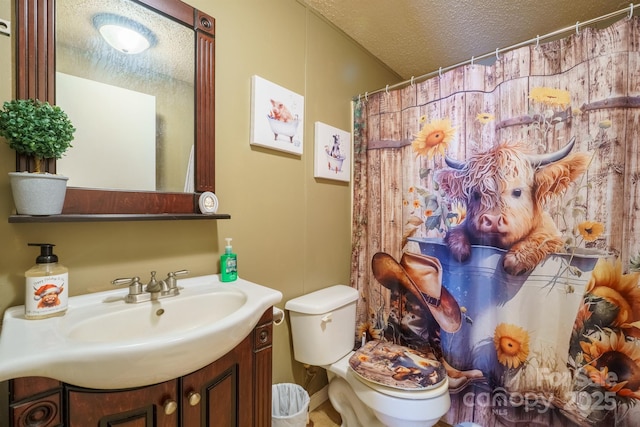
495	228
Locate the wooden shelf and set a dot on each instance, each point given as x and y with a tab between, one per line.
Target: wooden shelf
111	217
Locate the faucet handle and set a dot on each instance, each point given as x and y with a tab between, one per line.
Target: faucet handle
178	273
171	278
135	287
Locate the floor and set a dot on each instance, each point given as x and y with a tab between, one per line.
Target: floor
325	416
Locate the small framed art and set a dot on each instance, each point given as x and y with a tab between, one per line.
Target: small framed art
276	117
332	153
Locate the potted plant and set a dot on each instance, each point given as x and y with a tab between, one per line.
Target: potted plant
42	131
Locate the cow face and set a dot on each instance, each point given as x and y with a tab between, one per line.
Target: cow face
499	190
505	190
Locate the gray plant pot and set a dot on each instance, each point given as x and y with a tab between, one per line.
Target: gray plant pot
38	193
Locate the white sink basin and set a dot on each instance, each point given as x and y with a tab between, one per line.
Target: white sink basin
103	342
105	324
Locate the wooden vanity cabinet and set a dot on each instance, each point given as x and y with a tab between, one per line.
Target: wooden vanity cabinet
233	391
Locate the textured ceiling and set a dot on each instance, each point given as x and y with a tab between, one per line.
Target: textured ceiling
416	37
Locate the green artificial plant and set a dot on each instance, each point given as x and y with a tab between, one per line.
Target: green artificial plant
35	128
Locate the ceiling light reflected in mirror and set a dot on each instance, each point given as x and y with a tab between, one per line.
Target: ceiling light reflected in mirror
123	34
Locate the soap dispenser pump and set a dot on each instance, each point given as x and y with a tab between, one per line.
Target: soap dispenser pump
228	264
47	285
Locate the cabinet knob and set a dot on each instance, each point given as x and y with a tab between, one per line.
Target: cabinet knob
170	406
194	398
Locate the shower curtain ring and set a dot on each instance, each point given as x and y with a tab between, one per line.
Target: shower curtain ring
497	51
440	72
577	28
386	90
412	83
472	59
630	11
366	96
537	41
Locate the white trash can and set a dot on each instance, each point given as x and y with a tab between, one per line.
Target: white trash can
289	405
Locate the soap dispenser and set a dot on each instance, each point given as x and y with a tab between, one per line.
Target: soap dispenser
228	264
47	285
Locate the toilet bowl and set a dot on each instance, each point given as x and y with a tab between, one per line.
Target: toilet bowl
323	334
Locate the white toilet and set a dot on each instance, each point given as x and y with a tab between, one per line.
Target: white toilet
323	330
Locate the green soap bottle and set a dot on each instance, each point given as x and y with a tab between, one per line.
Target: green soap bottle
228	264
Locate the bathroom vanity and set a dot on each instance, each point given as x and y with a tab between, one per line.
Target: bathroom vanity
199	356
235	390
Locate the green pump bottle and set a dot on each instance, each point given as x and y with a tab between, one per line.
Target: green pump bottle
228	264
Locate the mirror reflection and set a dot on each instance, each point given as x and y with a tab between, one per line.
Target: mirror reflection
132	104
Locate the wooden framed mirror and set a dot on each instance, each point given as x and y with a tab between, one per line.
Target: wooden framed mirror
36	78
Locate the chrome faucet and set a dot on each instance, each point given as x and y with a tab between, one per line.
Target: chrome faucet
155	289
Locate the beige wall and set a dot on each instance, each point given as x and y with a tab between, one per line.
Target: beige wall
291	232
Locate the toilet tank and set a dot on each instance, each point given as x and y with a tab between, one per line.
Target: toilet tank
323	324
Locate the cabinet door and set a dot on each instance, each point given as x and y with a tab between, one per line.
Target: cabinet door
220	394
151	406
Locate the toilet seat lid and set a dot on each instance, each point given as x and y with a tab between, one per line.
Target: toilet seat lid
396	366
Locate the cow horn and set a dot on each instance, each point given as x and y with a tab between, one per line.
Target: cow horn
453	164
546	158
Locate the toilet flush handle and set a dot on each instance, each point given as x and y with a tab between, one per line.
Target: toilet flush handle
326	318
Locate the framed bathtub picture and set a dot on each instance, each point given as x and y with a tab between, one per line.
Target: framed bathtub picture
276	117
332	153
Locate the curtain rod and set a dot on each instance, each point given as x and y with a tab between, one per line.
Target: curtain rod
496	53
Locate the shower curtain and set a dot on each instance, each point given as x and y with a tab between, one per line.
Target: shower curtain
515	186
